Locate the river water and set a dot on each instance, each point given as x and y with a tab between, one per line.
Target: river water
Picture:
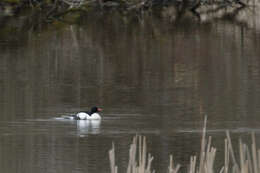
151	76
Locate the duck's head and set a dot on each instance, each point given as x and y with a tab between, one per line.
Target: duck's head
95	109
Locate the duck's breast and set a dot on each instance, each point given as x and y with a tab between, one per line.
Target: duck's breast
94	116
82	115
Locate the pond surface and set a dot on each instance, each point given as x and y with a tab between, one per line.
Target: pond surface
151	77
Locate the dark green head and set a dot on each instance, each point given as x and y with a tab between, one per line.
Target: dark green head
95	109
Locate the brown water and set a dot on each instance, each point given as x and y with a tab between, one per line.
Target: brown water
151	77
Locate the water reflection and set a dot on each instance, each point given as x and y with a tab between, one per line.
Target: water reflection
154	77
86	127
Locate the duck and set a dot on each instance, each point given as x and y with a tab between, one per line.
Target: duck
93	114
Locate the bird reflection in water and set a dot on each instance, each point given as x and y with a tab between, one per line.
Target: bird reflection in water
86	127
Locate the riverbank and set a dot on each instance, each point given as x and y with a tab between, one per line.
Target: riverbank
59	9
34	19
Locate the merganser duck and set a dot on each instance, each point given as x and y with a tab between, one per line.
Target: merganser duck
93	114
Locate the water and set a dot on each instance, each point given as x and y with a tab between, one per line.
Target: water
151	77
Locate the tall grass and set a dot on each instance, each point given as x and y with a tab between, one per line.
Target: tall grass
140	160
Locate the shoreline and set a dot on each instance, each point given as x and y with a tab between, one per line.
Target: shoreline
53	9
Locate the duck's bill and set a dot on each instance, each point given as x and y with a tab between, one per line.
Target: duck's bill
99	109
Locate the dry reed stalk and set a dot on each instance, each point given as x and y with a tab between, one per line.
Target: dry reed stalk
222	169
202	147
210	158
192	168
254	152
142	152
113	166
226	164
250	163
258	154
207	153
242	157
140	161
143	158
132	154
172	168
235	168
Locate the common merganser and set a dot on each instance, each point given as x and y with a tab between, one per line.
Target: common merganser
93	114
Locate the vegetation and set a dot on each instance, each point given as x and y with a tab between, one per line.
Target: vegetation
140	161
56	9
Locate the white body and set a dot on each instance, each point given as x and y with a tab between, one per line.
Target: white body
94	116
85	116
82	115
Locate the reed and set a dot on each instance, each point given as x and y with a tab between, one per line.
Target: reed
140	160
113	166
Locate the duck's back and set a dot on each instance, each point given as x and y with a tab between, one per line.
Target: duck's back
82	115
94	116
